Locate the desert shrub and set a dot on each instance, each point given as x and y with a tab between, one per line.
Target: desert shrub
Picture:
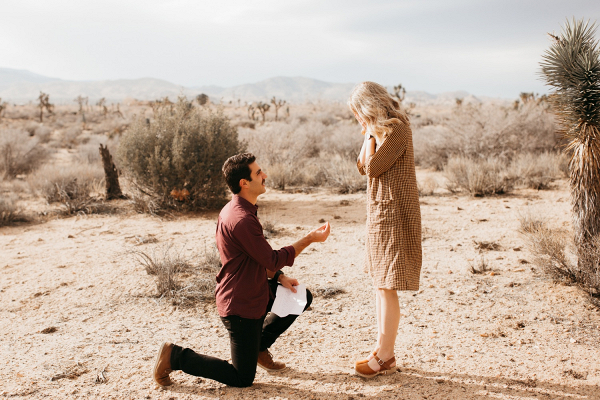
270	227
343	138
89	151
342	174
537	171
556	254
427	186
182	148
279	142
144	204
312	172
479	267
43	133
70	137
307	153
73	186
31	126
9	212
111	127
39	130
479	177
486	131
183	279
530	222
19	153
282	174
430	147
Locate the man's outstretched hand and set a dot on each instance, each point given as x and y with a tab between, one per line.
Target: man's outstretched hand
320	234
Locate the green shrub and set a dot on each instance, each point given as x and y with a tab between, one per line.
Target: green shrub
184	147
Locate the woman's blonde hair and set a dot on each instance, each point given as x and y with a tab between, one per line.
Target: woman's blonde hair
377	108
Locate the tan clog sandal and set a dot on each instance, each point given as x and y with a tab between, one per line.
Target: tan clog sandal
385	368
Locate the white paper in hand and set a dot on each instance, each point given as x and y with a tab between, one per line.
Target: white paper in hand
288	302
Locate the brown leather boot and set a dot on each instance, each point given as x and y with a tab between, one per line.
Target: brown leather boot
162	367
265	361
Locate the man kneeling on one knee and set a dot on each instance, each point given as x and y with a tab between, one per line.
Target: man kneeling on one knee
246	285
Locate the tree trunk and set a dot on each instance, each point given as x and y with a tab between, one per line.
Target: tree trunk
113	189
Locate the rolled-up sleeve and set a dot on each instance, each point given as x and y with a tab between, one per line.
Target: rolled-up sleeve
387	154
249	233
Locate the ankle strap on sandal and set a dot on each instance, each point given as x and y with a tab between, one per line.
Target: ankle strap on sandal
384	364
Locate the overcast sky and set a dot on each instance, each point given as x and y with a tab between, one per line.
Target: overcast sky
486	47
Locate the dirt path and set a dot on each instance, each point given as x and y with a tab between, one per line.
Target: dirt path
513	334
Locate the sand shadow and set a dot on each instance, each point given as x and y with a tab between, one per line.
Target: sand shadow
405	384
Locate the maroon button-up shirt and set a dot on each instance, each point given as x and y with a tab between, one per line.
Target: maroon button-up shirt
242	287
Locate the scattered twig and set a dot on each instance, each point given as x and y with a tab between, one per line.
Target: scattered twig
100	377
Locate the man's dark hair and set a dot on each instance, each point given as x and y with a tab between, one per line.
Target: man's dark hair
236	168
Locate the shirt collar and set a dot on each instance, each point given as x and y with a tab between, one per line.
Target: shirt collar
246	205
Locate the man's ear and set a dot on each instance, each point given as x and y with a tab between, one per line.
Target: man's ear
243	183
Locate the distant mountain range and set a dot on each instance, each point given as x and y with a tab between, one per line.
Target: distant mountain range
21	86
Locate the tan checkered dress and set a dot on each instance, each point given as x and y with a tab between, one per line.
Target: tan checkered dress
393	242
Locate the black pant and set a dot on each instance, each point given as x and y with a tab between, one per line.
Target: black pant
247	337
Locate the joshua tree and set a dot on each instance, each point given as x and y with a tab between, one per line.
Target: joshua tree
516	105
527	97
44	102
399	92
118	111
102	105
251	111
202	99
2	107
572	67
82	101
278	105
262	108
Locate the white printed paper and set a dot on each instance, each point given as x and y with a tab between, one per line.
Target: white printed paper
288	302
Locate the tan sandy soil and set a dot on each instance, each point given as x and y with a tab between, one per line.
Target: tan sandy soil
511	335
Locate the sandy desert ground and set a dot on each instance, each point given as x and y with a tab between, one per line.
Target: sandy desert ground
509	334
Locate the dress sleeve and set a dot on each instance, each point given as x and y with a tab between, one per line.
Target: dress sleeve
248	232
389	151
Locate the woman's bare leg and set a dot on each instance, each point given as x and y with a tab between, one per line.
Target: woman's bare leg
389	312
379	319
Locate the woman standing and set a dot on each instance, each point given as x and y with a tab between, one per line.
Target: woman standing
393	241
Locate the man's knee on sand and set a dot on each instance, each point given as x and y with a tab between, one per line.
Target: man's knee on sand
309	299
244	382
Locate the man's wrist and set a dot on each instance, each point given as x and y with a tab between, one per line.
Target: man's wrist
277	275
309	238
